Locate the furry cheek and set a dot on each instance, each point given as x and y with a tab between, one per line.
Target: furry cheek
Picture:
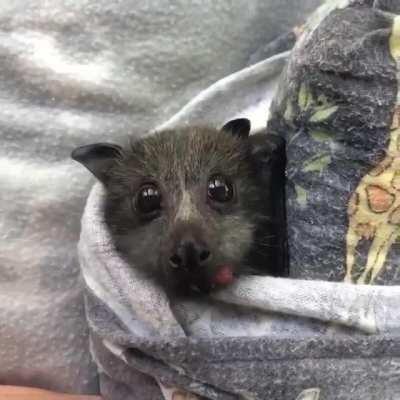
236	236
142	245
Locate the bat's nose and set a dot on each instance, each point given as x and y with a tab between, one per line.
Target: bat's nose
189	254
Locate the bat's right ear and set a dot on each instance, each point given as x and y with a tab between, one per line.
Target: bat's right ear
97	158
239	127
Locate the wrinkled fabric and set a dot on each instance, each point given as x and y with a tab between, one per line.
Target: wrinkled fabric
143	308
229	344
337	109
73	73
262	337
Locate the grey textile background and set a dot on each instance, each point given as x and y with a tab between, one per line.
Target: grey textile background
75	72
247	346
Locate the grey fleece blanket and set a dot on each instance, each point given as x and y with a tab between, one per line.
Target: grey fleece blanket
75	72
262	338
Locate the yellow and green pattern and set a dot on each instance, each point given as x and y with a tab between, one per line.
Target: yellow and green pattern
374	207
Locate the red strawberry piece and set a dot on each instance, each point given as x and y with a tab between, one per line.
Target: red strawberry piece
224	275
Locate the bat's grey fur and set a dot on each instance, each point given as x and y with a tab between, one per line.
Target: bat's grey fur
241	234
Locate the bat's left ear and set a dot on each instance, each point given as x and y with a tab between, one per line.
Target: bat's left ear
238	127
98	158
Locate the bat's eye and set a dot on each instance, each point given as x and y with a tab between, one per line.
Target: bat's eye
220	189
148	200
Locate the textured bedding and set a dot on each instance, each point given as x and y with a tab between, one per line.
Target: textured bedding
269	338
87	71
244	341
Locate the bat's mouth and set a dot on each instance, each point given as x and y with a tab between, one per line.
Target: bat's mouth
224	275
204	281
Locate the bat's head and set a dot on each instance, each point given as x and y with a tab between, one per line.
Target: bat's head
190	206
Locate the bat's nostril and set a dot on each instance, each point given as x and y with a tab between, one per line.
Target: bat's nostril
189	255
175	261
204	255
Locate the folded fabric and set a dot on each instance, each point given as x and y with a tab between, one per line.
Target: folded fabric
234	344
78	72
272	338
338	109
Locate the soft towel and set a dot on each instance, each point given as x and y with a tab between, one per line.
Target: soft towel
74	72
261	338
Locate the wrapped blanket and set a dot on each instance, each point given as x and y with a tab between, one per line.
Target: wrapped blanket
270	338
78	71
338	108
232	346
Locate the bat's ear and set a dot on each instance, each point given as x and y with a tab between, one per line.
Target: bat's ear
238	127
267	149
98	158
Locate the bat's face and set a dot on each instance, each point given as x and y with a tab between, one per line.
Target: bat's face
187	205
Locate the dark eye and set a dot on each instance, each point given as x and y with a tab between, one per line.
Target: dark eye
148	200
220	189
